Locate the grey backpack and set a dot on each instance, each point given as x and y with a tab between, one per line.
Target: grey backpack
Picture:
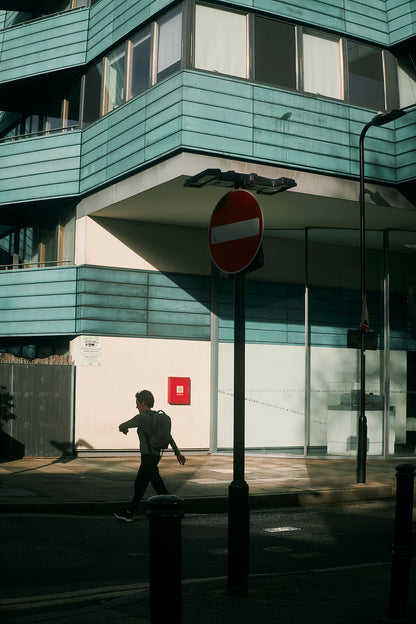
161	428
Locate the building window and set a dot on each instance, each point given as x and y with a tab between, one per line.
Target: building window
114	79
141	57
54	115
322	65
71	108
169	44
92	94
275	52
406	76
221	41
365	75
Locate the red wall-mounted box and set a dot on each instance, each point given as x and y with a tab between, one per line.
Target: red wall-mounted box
179	390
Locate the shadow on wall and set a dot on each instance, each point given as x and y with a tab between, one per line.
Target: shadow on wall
166	247
9	447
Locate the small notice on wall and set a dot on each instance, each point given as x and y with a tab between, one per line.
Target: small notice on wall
90	350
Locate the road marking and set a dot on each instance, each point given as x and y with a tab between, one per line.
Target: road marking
278	549
281	529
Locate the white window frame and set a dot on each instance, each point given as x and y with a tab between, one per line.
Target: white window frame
156	35
246	74
341	68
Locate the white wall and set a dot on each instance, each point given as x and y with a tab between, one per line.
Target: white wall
105	394
275	381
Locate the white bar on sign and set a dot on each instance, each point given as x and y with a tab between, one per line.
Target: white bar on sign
234	231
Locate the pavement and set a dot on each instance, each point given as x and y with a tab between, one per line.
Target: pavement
100	485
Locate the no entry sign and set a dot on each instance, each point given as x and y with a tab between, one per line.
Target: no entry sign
235	231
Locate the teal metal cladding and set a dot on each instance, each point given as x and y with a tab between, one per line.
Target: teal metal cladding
142	303
50	44
123	302
38	302
211	114
104	301
222	115
275	313
40	167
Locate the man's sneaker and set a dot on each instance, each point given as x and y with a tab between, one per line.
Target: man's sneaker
127	516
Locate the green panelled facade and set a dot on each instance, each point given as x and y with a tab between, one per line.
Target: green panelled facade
195	111
50	44
70	301
40	167
209	114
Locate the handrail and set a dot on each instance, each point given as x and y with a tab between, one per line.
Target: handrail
28	135
29	265
46	16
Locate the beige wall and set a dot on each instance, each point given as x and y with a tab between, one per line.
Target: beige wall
147	246
105	393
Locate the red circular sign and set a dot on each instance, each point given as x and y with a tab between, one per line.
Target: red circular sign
235	231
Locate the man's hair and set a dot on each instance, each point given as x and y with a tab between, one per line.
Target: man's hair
146	397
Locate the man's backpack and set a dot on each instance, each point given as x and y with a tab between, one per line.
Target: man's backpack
161	427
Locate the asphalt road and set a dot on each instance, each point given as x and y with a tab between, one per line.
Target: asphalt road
49	554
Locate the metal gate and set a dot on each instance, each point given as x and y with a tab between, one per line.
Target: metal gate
42	423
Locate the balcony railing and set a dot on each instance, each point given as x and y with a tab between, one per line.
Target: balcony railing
29	135
35	265
22	20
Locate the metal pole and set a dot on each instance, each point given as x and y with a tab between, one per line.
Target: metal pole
238	493
165	513
401	553
362	419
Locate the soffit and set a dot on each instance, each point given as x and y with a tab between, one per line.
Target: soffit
158	196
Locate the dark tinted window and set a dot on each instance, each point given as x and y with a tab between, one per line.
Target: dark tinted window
140	75
365	76
92	97
73	104
275	53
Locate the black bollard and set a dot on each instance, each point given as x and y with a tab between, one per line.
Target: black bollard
165	562
401	553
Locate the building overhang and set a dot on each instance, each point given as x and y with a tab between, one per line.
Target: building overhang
157	195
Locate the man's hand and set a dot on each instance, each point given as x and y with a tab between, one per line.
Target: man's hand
181	459
123	430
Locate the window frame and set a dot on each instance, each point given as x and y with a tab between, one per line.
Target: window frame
340	44
249	32
105	93
156	38
347	74
252	51
130	64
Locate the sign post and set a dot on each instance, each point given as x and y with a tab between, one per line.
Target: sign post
235	236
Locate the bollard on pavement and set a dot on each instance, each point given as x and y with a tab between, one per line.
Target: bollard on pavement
401	553
165	514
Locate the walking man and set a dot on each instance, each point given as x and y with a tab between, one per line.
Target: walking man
150	455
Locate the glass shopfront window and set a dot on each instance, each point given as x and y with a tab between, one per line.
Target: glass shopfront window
333	369
402	333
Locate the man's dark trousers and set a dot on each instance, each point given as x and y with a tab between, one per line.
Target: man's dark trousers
148	473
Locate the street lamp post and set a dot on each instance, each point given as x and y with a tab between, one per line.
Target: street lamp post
378	120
